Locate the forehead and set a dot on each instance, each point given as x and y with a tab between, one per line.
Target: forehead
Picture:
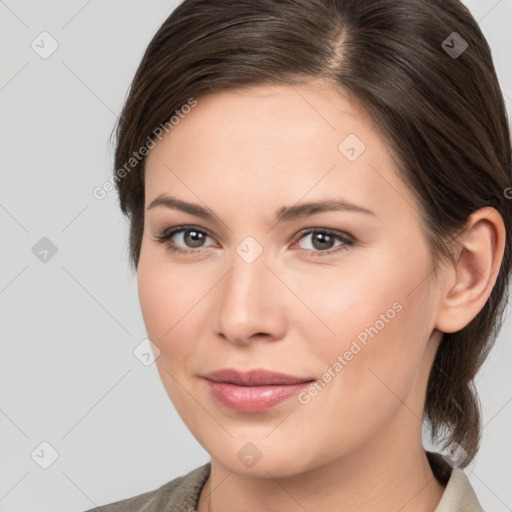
277	141
256	114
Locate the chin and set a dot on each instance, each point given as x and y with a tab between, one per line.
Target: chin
252	459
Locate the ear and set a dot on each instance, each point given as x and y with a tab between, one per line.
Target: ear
470	281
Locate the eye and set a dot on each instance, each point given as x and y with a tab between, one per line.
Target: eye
193	238
322	240
189	235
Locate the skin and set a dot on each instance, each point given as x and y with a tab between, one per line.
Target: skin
356	445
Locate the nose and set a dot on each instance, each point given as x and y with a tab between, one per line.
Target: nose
251	302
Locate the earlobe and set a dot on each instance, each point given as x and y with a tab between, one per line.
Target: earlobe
472	278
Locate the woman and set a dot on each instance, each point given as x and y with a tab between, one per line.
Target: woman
319	219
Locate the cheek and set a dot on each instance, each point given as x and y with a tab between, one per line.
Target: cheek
382	374
173	300
374	333
366	383
168	311
342	302
169	296
155	300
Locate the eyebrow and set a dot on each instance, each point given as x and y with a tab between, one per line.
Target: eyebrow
286	213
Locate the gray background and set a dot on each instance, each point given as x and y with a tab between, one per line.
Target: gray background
69	325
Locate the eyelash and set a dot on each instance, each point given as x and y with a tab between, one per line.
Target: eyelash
165	236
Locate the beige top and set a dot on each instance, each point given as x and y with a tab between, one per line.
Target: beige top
182	493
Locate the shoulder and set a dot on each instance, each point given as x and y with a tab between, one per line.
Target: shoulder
458	495
181	493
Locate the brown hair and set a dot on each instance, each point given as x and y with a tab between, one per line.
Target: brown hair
442	115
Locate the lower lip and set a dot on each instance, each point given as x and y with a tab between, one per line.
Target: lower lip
253	398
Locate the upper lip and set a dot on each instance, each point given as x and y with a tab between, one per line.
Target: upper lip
256	377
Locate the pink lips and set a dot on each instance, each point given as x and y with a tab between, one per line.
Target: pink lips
255	390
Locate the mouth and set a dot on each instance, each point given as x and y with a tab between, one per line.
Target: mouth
255	390
257	377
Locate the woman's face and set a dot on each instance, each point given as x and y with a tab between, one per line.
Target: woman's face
347	307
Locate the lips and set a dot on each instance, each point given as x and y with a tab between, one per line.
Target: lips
258	377
255	390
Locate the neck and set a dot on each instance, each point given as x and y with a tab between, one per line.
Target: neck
396	477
